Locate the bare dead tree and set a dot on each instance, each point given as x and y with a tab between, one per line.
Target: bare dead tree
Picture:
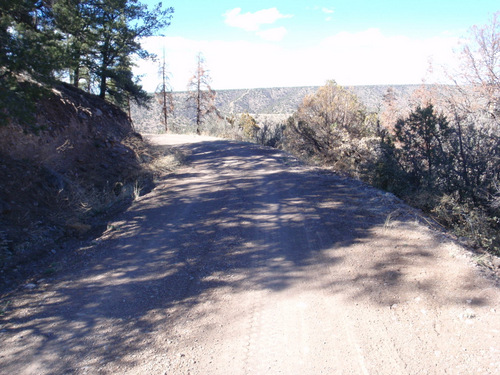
481	63
201	96
164	93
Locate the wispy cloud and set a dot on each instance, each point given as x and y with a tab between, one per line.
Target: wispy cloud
252	21
325	10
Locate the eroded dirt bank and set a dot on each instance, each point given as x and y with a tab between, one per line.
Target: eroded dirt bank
76	160
245	262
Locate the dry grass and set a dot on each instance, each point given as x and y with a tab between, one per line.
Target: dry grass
160	160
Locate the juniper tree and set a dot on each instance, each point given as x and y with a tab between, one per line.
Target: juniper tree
249	125
422	138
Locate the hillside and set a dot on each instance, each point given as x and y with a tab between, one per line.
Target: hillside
61	174
274	104
285	100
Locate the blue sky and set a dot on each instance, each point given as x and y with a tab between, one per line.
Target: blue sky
256	43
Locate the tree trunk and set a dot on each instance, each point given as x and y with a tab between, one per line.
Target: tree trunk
102	87
463	156
198	105
164	97
76	76
102	73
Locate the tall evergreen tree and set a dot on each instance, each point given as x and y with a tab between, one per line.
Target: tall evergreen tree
28	41
75	19
29	50
120	24
39	38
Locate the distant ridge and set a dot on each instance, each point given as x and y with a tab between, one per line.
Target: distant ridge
276	103
285	100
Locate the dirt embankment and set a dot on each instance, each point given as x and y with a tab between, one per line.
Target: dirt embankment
58	175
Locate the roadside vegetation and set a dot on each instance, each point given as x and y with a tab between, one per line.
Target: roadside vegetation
439	150
441	155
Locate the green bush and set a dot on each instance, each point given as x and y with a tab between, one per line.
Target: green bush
467	220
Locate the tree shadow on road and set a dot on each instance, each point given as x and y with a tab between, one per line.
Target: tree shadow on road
239	218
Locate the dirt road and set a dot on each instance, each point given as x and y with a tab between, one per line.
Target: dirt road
244	262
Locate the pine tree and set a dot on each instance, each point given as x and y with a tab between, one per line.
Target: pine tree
119	26
95	39
29	51
76	21
102	36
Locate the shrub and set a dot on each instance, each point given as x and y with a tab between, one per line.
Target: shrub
467	220
332	126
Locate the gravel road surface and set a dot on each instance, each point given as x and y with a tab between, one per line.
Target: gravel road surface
246	262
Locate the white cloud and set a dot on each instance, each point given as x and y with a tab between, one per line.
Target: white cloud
273	35
253	21
367	57
327	11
